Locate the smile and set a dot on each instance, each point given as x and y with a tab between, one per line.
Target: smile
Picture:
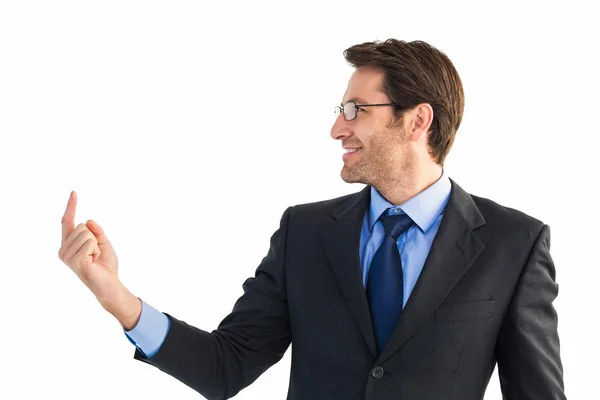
350	153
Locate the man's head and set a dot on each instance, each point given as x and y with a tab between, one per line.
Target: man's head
414	133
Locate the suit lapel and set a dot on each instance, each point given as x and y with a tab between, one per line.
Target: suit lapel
452	252
341	239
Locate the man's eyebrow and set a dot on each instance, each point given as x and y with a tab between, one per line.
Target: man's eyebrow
357	100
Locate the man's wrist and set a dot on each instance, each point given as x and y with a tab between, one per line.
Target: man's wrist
125	307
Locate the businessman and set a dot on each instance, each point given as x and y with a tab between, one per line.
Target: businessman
410	288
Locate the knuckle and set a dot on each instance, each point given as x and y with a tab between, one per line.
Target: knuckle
90	237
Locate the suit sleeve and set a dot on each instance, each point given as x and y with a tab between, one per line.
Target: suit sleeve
252	338
528	349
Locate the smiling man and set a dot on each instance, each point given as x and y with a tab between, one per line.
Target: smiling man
411	288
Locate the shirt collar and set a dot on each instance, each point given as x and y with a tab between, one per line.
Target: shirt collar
423	209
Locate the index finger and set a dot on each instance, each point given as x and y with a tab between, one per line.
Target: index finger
68	219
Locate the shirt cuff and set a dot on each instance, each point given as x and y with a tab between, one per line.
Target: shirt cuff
150	332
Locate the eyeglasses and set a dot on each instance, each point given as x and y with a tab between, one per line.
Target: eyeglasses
350	109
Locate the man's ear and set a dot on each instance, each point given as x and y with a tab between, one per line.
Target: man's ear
420	120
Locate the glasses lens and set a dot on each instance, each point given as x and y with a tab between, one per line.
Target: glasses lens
338	110
350	110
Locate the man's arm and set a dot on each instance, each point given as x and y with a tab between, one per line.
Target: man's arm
528	350
253	337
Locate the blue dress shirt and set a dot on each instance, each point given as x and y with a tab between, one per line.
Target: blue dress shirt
425	209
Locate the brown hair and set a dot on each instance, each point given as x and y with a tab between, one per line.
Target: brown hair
416	72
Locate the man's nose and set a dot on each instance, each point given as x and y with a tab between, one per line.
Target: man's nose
340	128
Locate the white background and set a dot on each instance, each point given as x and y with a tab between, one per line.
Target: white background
167	117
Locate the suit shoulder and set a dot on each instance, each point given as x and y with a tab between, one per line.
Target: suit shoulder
316	212
503	216
322	206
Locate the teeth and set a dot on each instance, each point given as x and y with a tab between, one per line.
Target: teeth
350	150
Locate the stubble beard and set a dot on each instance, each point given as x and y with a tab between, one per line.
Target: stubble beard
384	161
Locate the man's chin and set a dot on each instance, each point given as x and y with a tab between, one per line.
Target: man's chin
349	177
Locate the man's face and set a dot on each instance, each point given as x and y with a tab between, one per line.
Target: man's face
383	151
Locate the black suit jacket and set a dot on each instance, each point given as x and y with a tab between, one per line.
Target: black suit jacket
484	296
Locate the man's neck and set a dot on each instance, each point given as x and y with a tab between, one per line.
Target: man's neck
409	185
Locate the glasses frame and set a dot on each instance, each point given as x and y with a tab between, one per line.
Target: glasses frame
358	107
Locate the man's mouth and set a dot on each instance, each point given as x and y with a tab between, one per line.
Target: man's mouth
350	152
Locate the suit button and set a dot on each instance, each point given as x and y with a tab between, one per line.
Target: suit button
377	372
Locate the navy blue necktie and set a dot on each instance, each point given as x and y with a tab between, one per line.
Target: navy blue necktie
385	283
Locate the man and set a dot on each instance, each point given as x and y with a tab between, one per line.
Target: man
408	289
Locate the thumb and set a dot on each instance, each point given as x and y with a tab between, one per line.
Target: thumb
97	231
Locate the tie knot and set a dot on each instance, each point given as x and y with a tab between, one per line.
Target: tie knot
395	224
